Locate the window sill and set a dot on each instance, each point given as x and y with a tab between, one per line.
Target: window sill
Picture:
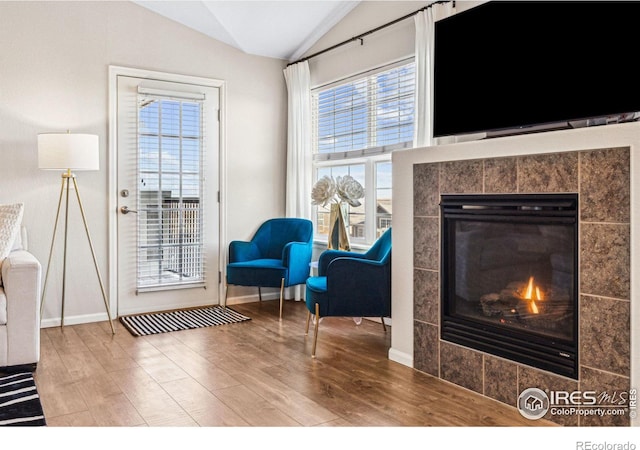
359	247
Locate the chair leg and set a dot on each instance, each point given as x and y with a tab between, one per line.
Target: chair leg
226	292
259	293
306	328
315	334
384	327
281	297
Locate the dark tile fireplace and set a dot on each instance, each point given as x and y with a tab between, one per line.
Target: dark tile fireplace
509	277
585	290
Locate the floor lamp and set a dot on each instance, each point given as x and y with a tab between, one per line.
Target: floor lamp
69	151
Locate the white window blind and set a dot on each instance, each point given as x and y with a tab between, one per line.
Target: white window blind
170	201
364	116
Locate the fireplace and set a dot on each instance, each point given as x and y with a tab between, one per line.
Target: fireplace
597	164
509	277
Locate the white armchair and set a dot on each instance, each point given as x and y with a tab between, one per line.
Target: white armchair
20	309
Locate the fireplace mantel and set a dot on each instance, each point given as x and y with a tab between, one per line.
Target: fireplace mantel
501	149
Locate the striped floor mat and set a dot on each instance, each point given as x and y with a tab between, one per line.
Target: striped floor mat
19	401
186	319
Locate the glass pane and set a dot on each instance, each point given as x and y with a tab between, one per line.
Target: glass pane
384	206
190	119
170	154
394	105
356	214
170	117
148	117
342	118
149	182
149	148
190	186
190	156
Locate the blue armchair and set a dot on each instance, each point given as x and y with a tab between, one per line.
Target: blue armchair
351	285
278	255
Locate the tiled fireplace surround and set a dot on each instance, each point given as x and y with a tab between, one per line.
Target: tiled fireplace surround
602	178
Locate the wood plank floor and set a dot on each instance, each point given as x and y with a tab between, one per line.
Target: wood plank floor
257	373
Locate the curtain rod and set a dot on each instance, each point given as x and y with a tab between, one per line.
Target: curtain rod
367	33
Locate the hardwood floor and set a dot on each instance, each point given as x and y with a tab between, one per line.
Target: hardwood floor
257	373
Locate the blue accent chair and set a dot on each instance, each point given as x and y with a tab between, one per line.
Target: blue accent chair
278	255
351	285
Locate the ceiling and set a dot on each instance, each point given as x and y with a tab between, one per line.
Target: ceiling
283	29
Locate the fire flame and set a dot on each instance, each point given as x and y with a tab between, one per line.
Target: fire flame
533	293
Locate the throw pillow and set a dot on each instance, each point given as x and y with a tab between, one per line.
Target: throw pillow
10	220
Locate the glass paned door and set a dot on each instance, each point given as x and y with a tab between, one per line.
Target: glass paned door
168	250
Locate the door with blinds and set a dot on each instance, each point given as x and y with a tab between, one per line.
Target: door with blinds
167	182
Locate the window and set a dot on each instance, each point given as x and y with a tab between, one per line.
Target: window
170	146
356	124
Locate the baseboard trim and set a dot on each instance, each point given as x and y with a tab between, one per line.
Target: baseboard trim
401	357
74	320
255	298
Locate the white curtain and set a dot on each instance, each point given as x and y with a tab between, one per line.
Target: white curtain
298	188
425	24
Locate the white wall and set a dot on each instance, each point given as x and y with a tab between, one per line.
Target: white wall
385	46
393	43
54	59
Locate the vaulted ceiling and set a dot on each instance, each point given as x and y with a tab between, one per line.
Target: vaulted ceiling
283	29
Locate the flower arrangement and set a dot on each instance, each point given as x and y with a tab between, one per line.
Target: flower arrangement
342	189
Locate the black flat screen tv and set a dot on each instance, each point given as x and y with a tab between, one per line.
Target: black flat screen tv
520	65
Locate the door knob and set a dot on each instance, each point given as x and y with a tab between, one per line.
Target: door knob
126	210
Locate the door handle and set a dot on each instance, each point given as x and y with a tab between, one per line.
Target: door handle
126	210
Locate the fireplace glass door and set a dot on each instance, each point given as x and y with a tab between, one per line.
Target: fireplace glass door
509	276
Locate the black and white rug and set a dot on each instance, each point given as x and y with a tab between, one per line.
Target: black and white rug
19	401
145	324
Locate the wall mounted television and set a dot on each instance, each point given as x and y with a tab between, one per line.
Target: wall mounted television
519	66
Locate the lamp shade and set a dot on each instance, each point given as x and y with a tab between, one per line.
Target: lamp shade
68	151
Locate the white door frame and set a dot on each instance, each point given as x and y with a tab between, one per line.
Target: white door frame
114	72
